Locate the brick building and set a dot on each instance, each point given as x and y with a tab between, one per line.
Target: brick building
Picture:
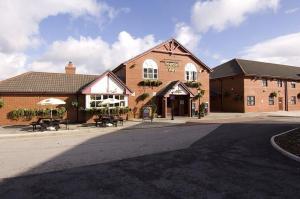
154	76
250	86
161	73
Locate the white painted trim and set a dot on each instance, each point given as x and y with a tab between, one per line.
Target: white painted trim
281	150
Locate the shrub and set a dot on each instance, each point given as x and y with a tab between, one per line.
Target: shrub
142	97
273	94
75	104
150	83
193	84
1	103
31	113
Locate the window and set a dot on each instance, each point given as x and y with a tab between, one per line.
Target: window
190	72
279	83
293	84
150	69
95	100
264	83
251	100
271	100
293	100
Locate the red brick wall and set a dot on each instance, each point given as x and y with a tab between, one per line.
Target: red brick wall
134	74
15	101
293	92
251	86
227	94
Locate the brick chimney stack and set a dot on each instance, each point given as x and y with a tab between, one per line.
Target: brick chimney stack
70	68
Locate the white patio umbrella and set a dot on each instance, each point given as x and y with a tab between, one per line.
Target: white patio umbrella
109	101
51	101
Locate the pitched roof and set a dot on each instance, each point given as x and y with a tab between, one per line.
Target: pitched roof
87	89
42	82
255	68
158	46
170	86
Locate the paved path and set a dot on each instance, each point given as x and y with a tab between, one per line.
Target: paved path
30	155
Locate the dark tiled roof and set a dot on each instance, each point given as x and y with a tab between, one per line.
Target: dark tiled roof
41	82
255	68
168	87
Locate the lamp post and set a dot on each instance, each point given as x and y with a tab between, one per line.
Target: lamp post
199	93
172	106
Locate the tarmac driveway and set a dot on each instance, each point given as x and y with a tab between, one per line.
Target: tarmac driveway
31	155
233	161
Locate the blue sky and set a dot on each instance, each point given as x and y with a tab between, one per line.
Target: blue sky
98	35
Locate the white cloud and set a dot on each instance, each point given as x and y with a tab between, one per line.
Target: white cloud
283	50
186	36
220	14
11	64
20	19
291	11
92	55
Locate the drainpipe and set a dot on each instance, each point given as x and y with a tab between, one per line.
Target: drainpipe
77	108
221	95
286	96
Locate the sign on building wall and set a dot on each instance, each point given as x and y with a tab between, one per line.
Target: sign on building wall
171	66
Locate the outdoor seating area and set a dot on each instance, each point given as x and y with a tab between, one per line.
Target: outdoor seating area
44	124
109	120
52	122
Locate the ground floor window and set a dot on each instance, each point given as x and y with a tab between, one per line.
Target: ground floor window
251	100
95	101
271	100
293	100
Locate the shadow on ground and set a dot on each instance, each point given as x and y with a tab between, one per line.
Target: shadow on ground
234	161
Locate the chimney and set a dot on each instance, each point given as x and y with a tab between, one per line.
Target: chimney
70	68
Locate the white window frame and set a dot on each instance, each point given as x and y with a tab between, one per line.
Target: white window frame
264	82
293	83
101	97
151	69
279	83
293	100
190	72
251	101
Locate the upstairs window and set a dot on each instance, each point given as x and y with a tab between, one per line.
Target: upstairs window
250	100
279	83
150	69
293	100
264	83
190	72
293	84
271	100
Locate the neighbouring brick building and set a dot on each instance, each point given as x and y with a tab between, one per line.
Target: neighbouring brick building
250	86
154	76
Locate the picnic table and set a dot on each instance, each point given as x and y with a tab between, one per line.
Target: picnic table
48	124
103	120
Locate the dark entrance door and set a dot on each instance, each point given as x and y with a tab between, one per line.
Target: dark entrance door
280	103
180	105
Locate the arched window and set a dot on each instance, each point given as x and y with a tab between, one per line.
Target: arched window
150	69
190	72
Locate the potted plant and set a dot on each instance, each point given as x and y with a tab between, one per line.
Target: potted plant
1	103
273	94
192	84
